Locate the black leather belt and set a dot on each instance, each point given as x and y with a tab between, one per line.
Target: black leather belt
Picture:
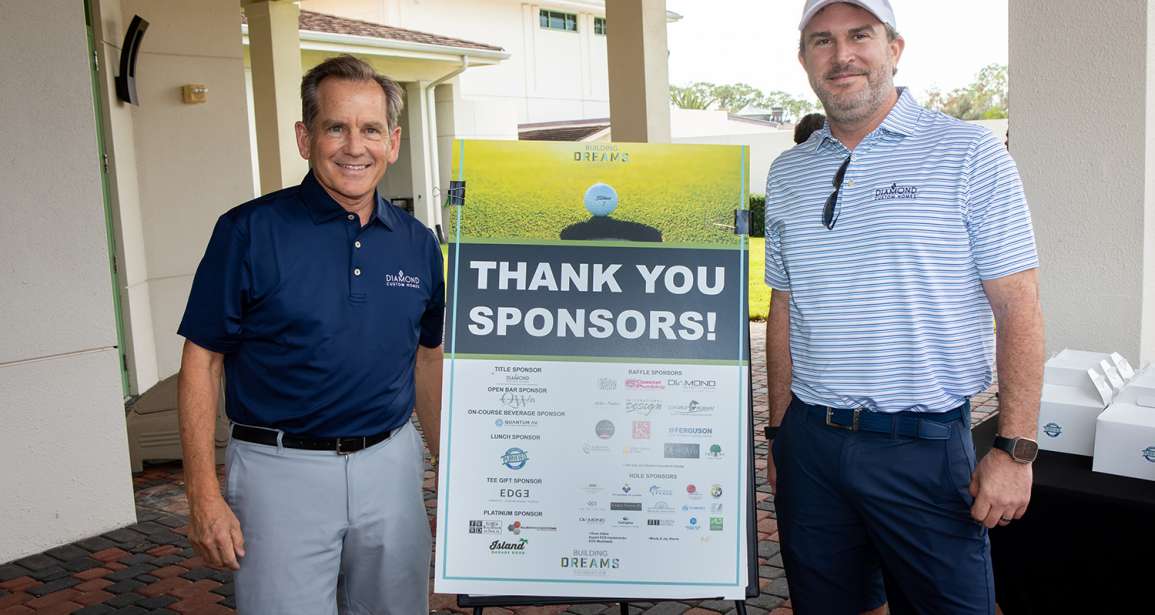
341	446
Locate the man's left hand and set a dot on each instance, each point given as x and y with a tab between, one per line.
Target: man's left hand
1001	488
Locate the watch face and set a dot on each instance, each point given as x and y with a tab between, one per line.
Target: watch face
1025	450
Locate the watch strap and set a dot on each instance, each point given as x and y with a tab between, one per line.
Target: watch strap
1008	445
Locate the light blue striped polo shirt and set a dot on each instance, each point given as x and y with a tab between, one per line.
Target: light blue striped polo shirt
887	311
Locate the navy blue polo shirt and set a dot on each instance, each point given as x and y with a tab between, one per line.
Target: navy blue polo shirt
318	318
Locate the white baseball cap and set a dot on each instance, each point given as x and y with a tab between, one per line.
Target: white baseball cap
880	8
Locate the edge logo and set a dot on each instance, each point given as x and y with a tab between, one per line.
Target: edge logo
514	458
1053	429
1149	454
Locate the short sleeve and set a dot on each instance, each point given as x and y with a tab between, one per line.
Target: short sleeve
433	320
998	221
776	276
213	318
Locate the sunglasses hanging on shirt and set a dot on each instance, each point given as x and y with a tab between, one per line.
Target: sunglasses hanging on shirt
830	212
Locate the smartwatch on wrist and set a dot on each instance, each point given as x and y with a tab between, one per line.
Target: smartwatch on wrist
1021	450
771	433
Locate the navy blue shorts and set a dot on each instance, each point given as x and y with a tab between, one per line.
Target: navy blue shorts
852	502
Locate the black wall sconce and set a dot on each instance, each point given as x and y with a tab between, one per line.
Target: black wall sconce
126	80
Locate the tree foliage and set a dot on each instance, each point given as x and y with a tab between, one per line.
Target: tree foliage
737	97
795	107
696	96
986	98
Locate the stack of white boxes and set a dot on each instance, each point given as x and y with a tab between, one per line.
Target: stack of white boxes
1076	390
1125	432
1094	404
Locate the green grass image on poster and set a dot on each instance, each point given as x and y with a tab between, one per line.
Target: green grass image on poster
539	191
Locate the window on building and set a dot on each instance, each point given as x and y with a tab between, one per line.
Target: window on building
556	20
600	25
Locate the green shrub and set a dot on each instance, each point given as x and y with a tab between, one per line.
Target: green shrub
757	215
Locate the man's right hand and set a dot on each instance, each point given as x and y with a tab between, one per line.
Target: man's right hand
215	533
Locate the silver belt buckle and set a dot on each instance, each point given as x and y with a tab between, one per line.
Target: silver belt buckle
342	452
853	426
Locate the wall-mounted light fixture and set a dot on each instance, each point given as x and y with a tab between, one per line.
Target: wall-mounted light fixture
194	93
126	80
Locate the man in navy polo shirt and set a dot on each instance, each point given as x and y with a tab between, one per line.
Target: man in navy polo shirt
893	235
322	306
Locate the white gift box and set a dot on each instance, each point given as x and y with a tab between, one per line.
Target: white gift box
1067	418
1142	385
1069	367
1075	392
1125	436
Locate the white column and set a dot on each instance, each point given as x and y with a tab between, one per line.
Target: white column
1083	133
62	438
275	53
639	75
419	152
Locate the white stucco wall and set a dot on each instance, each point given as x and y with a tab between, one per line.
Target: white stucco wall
691	123
764	148
1084	145
63	448
549	76
176	166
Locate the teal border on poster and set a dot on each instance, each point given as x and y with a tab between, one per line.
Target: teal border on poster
743	321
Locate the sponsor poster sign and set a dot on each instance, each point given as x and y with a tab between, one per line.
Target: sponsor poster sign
595	408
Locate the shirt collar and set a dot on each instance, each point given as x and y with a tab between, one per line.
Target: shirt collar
322	207
902	119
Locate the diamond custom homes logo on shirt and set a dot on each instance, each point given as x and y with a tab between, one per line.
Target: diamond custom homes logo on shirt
402	280
895	191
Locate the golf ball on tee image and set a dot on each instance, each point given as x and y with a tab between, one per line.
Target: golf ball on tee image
601	200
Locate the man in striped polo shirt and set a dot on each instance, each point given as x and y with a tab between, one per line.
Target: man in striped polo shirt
893	235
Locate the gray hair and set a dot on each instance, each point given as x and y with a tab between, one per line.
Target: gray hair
891	36
351	69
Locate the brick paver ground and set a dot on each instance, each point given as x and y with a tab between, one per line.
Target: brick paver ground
150	568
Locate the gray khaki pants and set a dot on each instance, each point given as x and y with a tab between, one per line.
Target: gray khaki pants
328	533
